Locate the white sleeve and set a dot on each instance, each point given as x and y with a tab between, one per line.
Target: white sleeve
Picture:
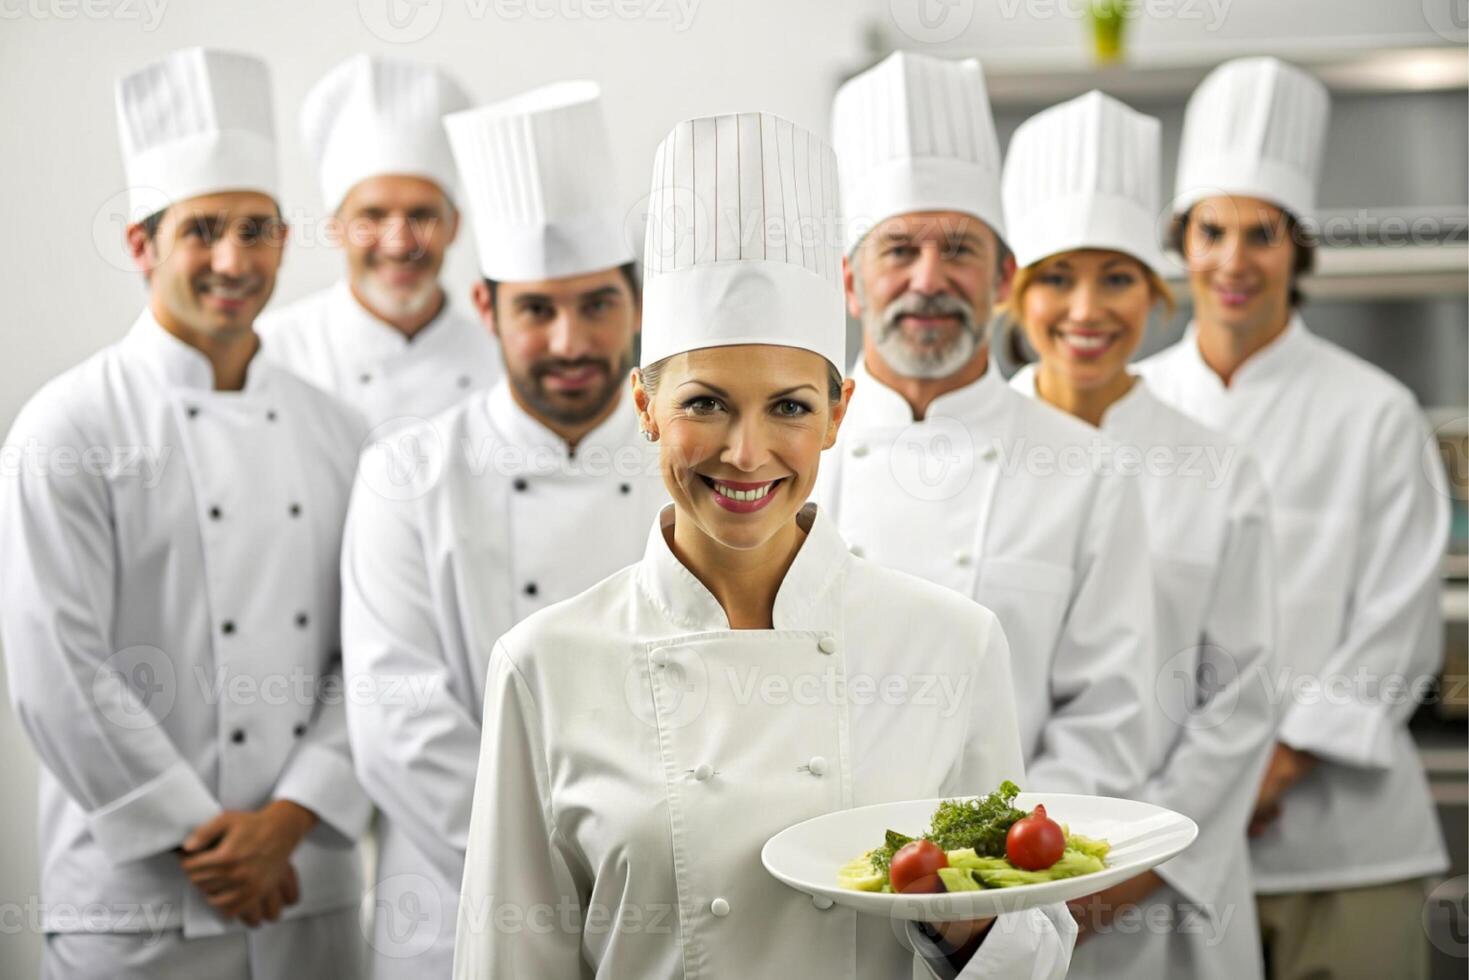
91	729
1213	768
1394	630
1098	738
517	861
415	739
1032	945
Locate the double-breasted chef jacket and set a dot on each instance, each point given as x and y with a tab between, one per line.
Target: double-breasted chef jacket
344	349
1359	504
638	753
169	612
1010	502
498	521
1208	535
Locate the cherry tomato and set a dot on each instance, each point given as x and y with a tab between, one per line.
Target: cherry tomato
1035	842
915	867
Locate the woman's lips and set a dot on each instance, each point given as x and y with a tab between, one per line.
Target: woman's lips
742	498
1232	297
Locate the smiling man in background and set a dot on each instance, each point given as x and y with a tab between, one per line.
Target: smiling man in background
386	339
171	644
514	499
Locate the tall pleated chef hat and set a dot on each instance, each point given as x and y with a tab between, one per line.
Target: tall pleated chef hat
538	178
372	116
1084	174
197	121
915	133
1255	127
743	240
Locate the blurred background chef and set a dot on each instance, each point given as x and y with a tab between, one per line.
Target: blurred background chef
170	630
516	498
1081	195
1343	831
936	472
387	338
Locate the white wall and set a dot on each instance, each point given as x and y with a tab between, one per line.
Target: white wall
69	291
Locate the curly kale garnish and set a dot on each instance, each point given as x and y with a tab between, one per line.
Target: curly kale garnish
981	824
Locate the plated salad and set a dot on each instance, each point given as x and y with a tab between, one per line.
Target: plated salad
975	844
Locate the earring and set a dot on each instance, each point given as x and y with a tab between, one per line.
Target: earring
648	435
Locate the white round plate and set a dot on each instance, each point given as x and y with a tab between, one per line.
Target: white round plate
808	855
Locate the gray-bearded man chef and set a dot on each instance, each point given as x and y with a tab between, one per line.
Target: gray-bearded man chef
387	338
1344	831
516	498
171	633
943	470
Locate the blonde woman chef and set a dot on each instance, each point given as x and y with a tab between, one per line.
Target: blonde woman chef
644	739
1081	200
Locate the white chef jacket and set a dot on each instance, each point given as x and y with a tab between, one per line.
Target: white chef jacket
501	521
638	753
169	610
1360	509
331	340
997	497
1213	568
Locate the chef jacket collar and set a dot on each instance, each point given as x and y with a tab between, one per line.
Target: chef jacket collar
977	403
178	364
1273	362
1138	403
806	600
524	431
370	338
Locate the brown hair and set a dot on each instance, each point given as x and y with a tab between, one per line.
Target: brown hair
1025	278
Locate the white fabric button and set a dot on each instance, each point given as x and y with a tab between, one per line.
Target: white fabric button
719	907
826	645
817	765
961	557
857	550
859	450
988	453
822	902
703	771
660	658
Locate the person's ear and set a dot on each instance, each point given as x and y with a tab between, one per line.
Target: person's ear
642	401
142	249
849	282
838	413
484	305
453	220
1006	279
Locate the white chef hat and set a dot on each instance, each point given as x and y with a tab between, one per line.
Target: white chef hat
198	121
743	242
538	178
1255	127
915	133
1084	174
371	116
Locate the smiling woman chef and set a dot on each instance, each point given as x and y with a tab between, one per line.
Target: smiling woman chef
644	739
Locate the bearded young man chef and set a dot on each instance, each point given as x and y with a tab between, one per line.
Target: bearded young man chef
626	784
945	472
169	630
1344	830
1081	203
523	496
386	339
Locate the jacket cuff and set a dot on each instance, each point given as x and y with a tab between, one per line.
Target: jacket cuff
323	782
1350	733
155	817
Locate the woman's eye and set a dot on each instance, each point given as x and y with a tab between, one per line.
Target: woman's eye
790	408
701	405
1054	279
1120	280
